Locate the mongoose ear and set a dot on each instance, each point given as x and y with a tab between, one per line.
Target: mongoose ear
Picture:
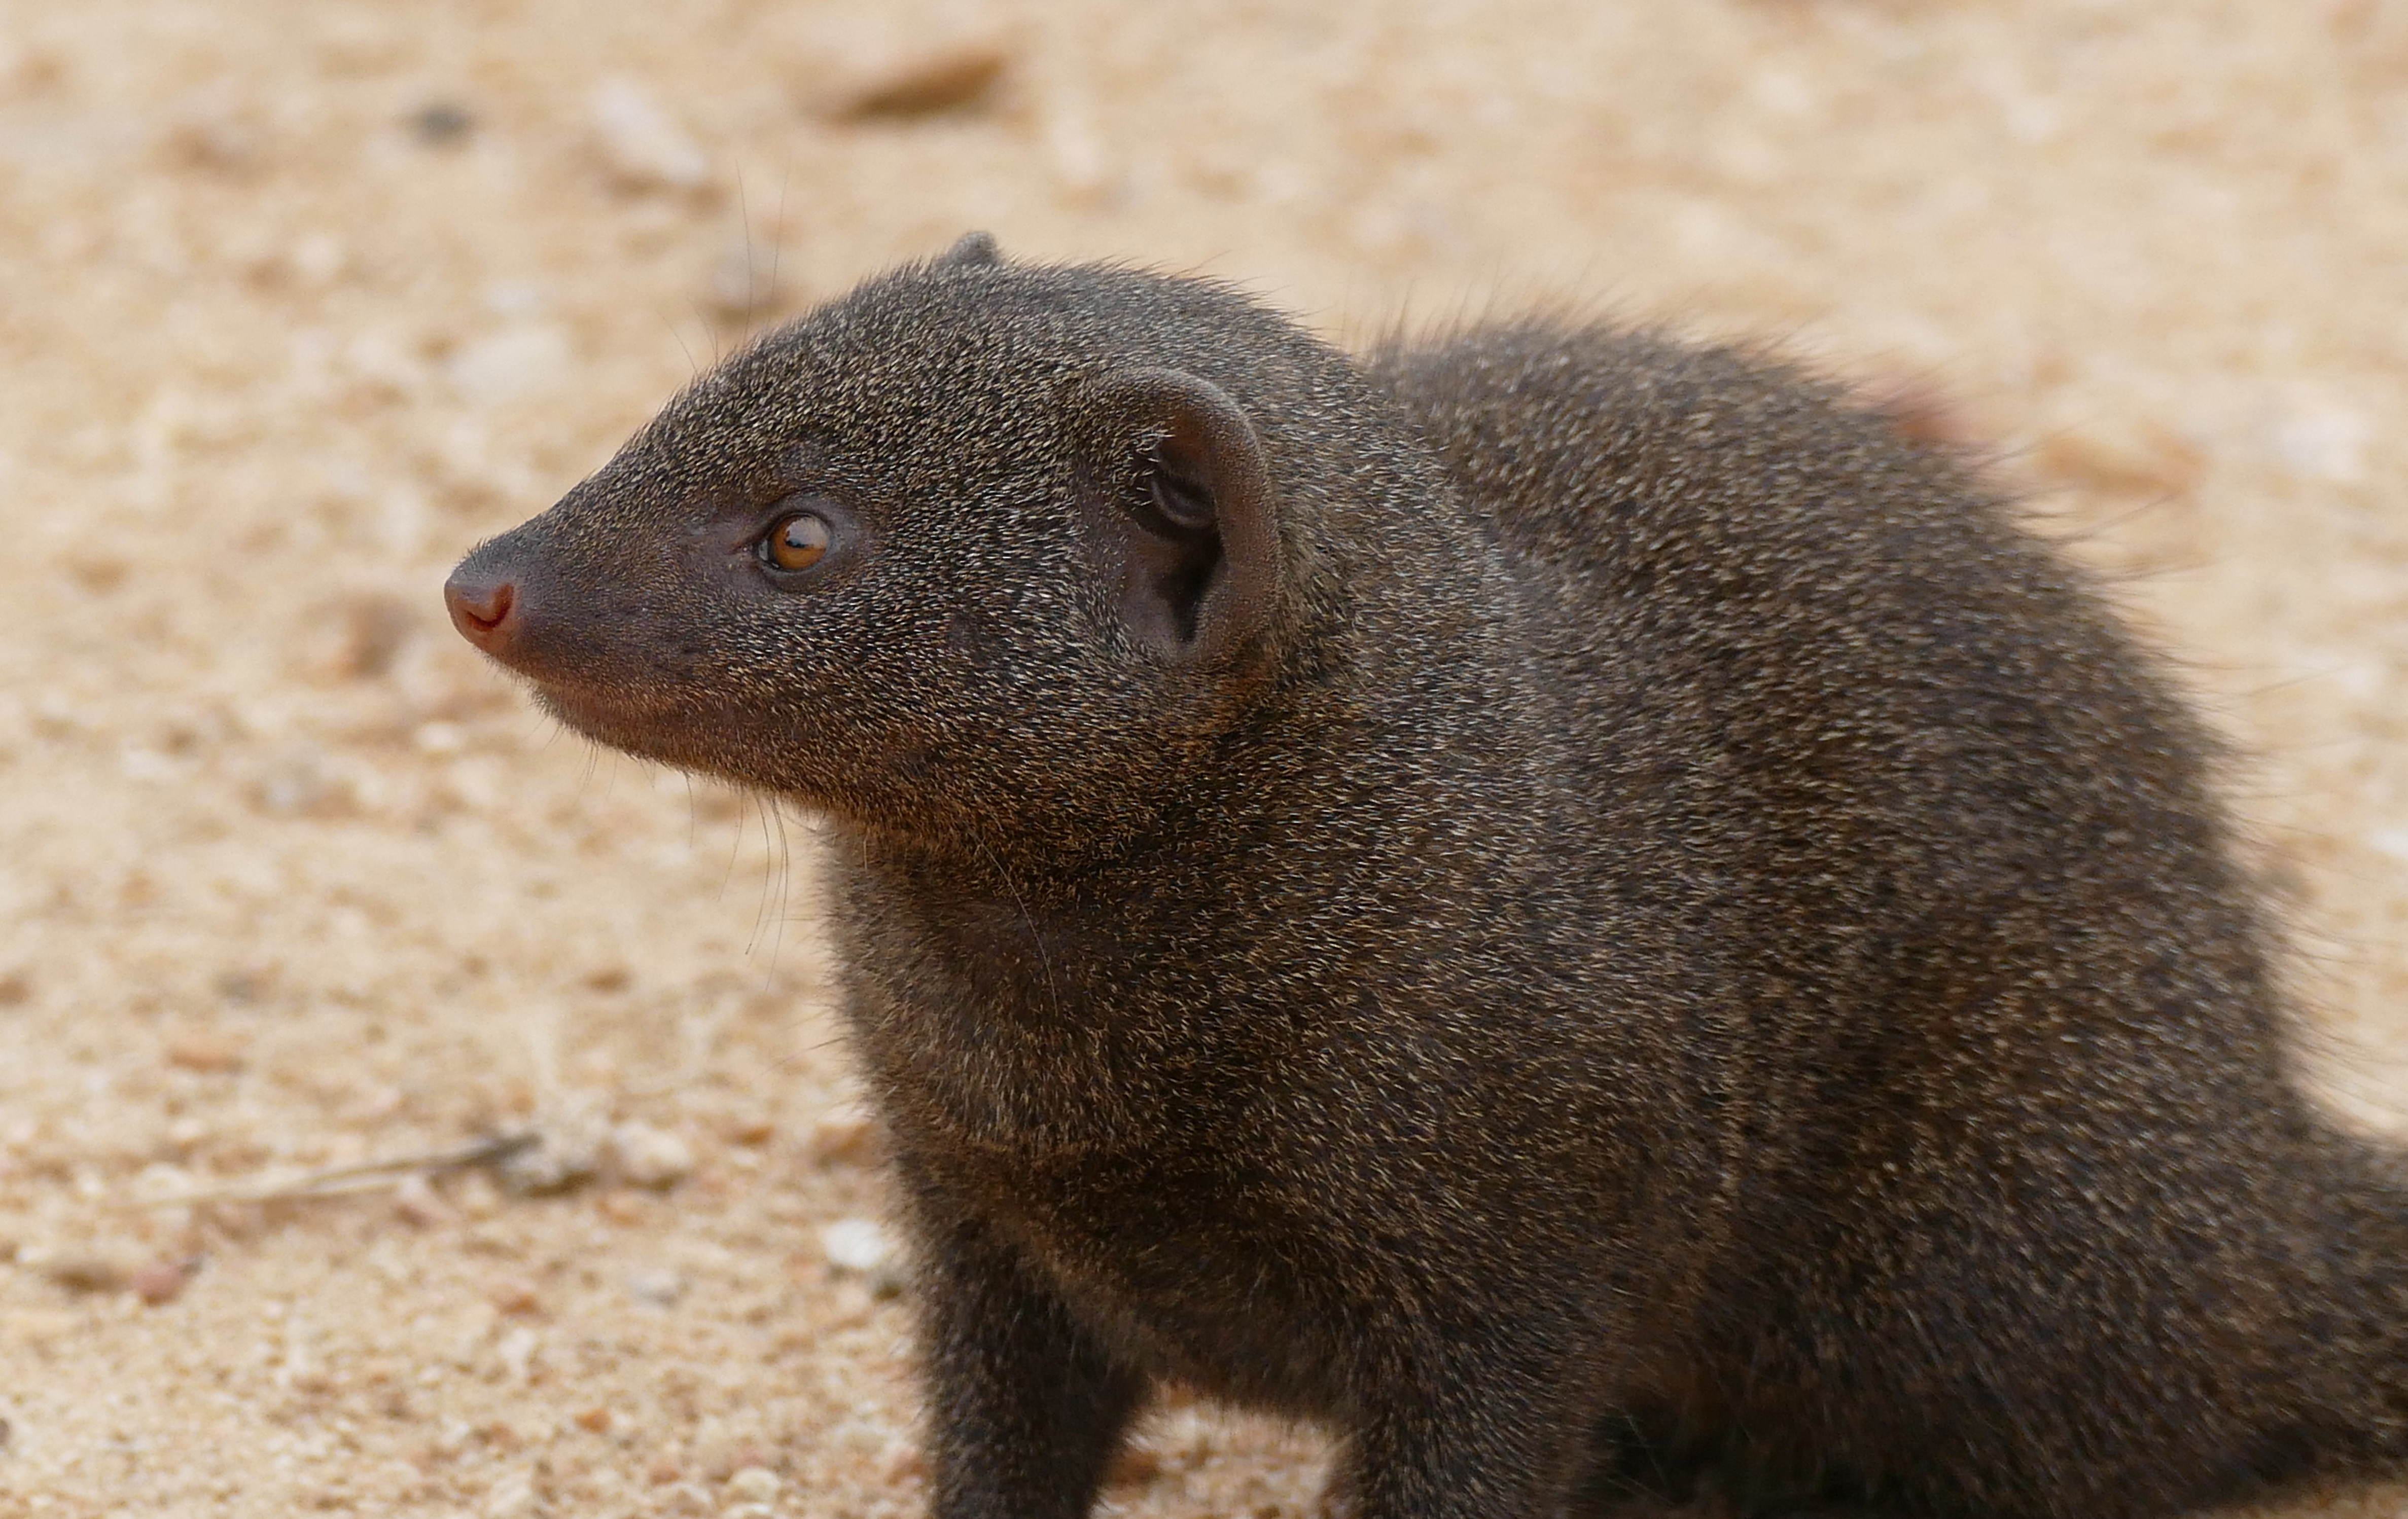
973	250
1193	511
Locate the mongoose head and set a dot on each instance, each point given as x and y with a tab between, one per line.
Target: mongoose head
976	546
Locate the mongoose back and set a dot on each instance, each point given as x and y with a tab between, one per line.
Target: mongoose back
1571	908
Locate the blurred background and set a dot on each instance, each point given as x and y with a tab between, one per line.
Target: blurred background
298	300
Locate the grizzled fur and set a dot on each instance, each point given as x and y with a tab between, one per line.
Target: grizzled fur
1663	946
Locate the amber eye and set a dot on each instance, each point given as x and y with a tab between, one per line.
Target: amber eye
796	542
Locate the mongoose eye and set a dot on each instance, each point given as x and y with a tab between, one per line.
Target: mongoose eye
796	542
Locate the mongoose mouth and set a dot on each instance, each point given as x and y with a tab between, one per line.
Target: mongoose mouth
491	610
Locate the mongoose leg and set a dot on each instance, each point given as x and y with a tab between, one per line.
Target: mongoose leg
1478	1431
1026	1409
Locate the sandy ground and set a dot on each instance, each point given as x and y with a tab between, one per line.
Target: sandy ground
302	298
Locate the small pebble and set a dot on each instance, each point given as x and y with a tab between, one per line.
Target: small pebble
844	1135
663	1472
650	1157
856	1244
82	1269
517	360
510	1498
953	80
593	1421
440	122
754	1484
657	1286
416	1204
515	1295
440	738
565	1151
644	147
517	1353
744	280
161	1282
204	1054
2139	461
750	1128
618	1208
476	1195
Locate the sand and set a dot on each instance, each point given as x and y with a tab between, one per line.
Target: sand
303	299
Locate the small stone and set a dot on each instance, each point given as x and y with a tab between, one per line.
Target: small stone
515	1295
856	1244
477	1196
564	1151
160	1282
618	1208
440	738
441	122
2147	461
371	630
512	1497
244	985
644	148
520	360
957	78
205	1053
319	259
593	1421
646	1156
754	1484
663	1472
2324	443
303	783
517	1353
844	1135
415	1203
750	1128
657	1286
81	1267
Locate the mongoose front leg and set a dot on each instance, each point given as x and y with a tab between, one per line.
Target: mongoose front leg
1485	1428
1026	1411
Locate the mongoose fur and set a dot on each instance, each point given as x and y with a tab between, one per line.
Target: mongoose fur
1568	906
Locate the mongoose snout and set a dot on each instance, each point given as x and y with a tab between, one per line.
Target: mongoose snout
1580	909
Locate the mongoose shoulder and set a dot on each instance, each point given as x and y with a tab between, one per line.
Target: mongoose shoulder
1566	905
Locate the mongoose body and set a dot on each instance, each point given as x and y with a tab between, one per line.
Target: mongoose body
1570	907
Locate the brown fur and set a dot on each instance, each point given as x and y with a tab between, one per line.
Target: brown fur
1570	906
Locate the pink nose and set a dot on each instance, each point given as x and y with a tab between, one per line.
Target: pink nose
481	608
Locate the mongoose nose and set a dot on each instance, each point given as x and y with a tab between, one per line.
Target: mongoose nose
480	608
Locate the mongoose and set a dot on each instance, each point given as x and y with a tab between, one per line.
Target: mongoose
1568	906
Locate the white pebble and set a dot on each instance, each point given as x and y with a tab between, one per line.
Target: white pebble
754	1484
520	360
511	1497
856	1244
657	1286
644	147
440	738
650	1157
517	1353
